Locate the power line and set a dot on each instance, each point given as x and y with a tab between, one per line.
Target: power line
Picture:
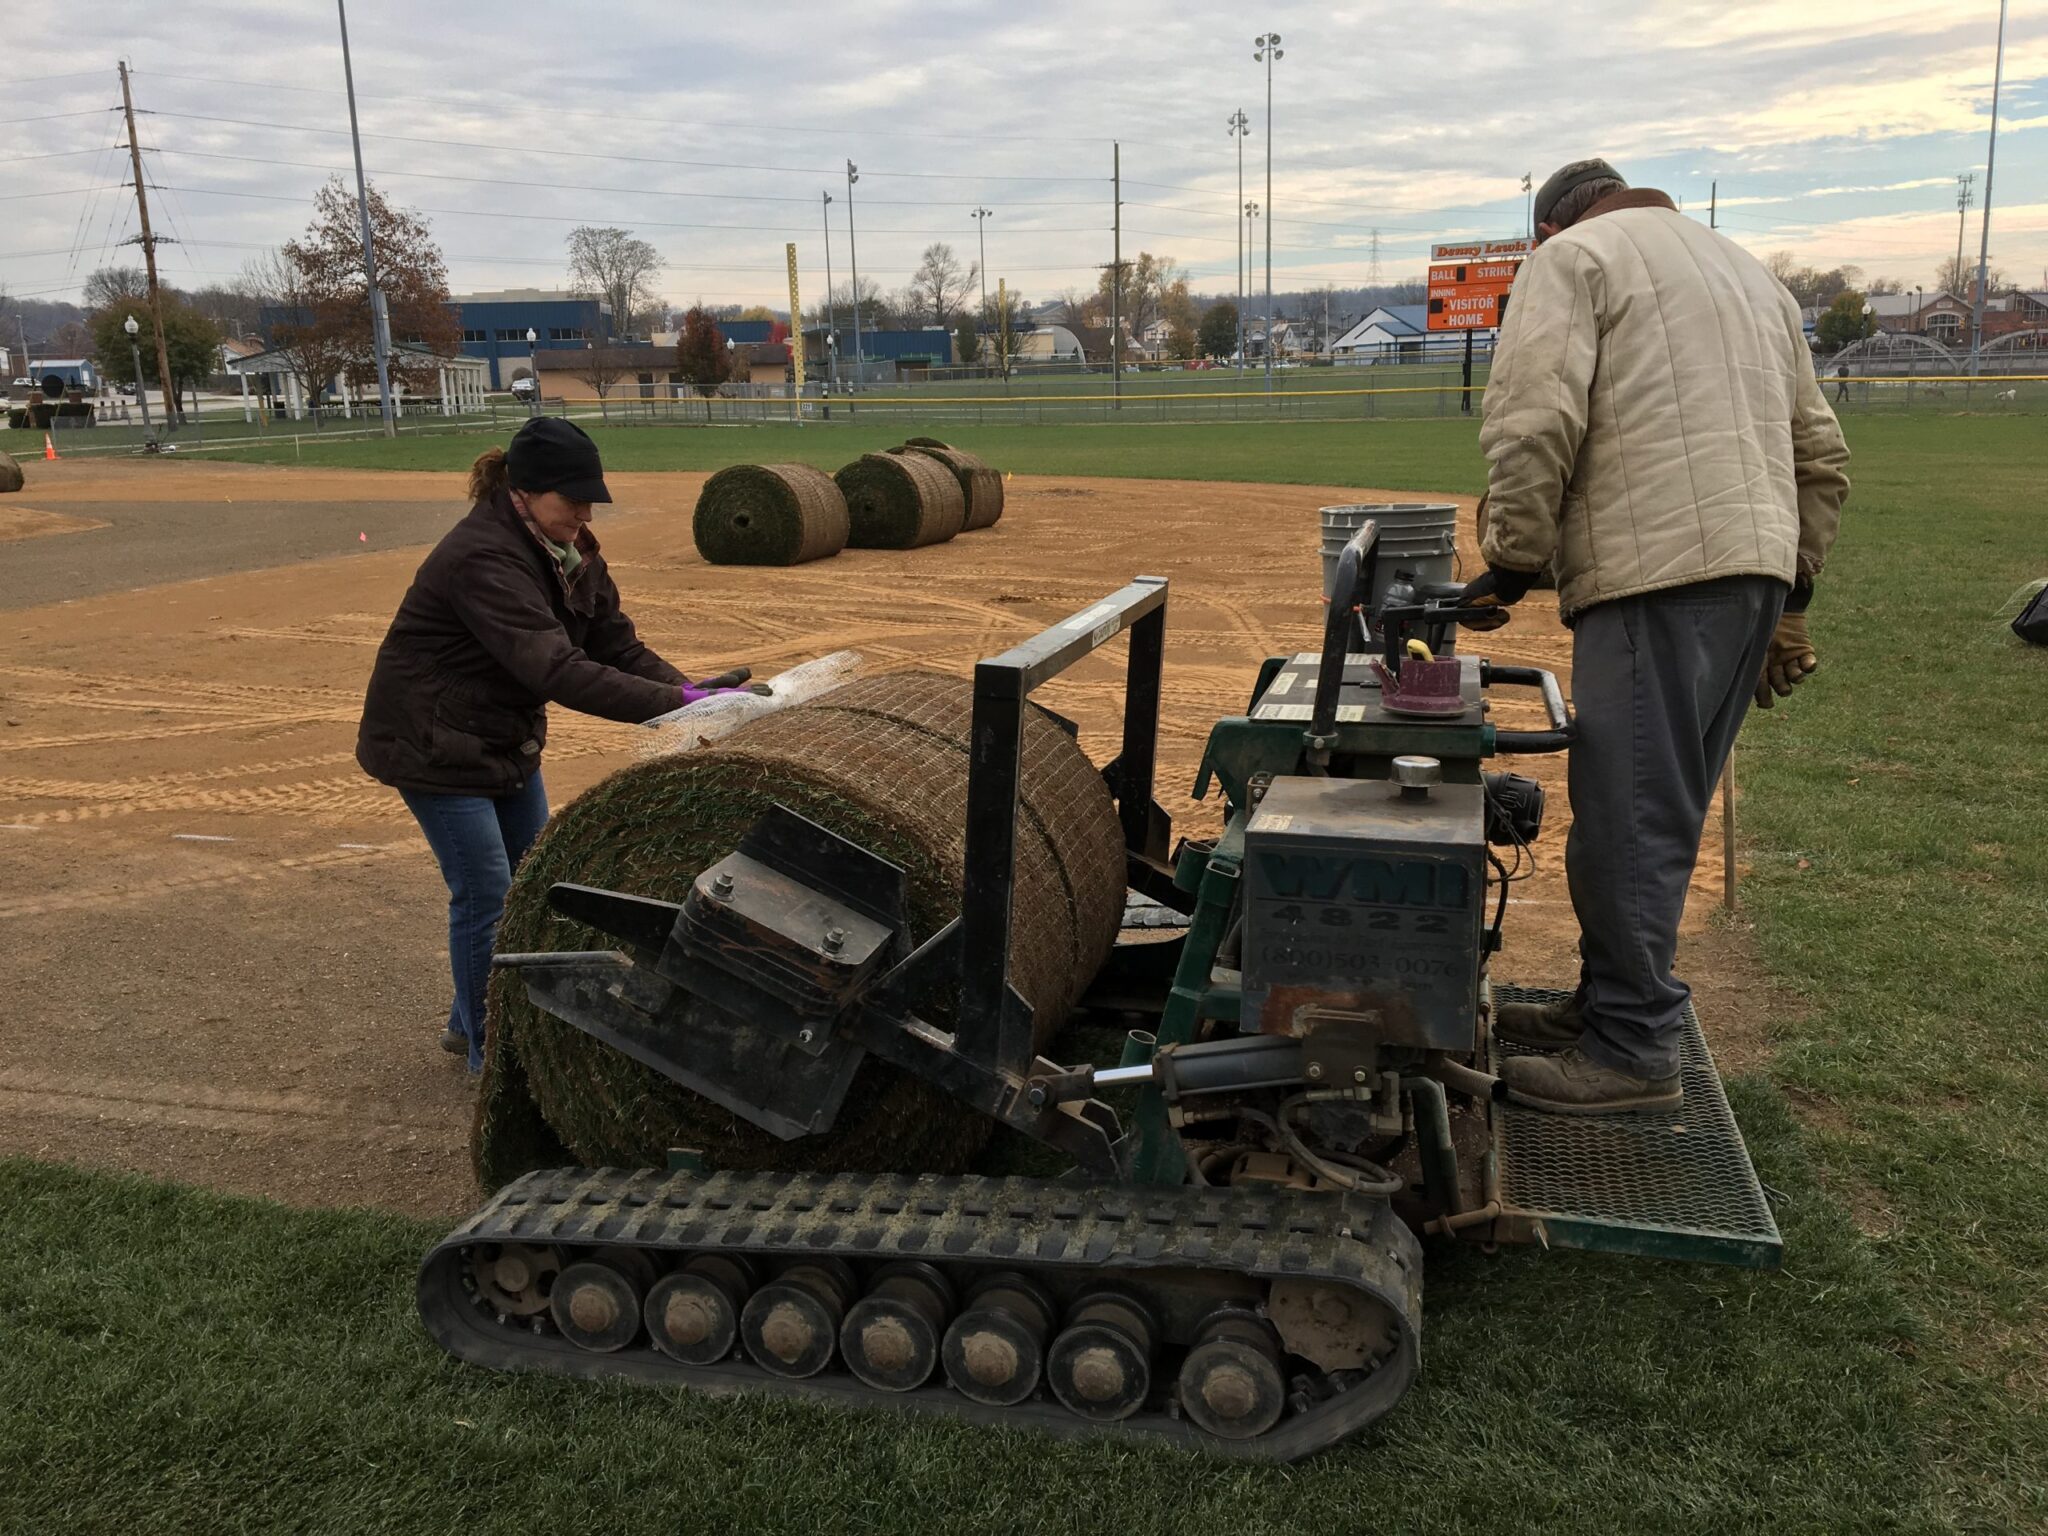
583	154
612	117
587	218
582	186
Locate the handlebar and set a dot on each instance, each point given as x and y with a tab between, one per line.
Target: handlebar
1356	566
1564	730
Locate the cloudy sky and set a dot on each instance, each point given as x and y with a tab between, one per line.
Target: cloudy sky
1835	130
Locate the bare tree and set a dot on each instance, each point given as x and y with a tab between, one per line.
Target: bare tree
115	285
940	286
601	368
1961	280
610	264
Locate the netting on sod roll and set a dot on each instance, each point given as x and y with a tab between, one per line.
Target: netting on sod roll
769	514
900	501
882	761
981	485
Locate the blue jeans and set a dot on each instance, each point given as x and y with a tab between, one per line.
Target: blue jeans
478	840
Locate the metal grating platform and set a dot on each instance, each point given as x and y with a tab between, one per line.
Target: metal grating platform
1674	1184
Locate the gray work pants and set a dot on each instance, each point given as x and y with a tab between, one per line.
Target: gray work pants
1660	683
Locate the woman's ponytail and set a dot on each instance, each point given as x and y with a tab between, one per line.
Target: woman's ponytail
487	475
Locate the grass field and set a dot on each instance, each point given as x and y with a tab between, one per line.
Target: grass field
181	1361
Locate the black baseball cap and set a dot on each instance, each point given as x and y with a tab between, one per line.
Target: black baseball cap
550	454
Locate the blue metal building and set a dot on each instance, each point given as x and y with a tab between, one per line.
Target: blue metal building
494	326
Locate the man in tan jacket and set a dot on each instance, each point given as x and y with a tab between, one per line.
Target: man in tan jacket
1654	427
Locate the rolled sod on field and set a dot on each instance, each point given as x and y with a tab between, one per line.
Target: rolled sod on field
10	473
901	501
982	486
925	442
882	761
769	514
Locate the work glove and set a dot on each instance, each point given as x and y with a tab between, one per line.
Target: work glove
1788	663
737	678
1494	590
711	687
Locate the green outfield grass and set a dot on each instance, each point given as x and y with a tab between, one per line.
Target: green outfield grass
179	1361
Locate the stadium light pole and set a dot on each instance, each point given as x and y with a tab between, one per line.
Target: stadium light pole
981	217
1528	208
1239	126
1251	212
1984	236
831	304
853	249
1268	51
380	316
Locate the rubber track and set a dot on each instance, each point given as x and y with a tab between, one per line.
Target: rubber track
1035	1225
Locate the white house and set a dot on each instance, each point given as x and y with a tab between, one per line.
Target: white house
463	381
1385	332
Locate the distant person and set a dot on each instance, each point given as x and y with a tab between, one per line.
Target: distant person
513	610
1841	382
1653	424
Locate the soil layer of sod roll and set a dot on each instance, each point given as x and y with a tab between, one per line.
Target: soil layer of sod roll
769	514
981	485
882	761
901	501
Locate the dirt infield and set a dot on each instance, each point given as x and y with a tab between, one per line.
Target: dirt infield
224	943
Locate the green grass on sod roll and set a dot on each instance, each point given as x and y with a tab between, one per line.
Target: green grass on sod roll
769	514
901	501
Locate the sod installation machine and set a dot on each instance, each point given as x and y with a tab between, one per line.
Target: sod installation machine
1234	1258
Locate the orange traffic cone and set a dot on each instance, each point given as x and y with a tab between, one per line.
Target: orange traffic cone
49	448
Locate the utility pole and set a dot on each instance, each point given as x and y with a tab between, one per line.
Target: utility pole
1239	126
1268	51
1713	204
981	215
1116	278
831	303
380	316
853	249
148	243
1984	238
1963	202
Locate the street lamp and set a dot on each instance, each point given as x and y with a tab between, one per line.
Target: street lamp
1268	51
533	369
1239	126
981	216
141	392
831	303
1528	208
853	250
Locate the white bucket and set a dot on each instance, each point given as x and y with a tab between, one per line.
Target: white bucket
1419	537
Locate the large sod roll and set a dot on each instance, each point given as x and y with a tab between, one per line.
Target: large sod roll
982	486
882	761
769	514
900	501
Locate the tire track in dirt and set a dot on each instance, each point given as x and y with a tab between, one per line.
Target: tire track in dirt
198	1107
130	892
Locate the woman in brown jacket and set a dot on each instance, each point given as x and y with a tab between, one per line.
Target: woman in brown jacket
512	611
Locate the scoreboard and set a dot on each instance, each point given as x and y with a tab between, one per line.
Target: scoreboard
1468	284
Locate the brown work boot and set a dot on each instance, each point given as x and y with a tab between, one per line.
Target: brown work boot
1552	1026
1574	1084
